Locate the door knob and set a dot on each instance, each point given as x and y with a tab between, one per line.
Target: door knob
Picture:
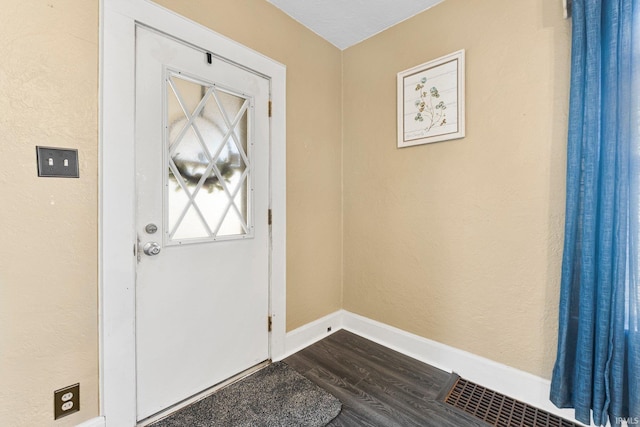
151	248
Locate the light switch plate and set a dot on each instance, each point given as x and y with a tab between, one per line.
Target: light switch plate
57	162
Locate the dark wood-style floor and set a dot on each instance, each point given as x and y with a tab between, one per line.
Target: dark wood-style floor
378	387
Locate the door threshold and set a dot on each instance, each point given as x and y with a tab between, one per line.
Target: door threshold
202	395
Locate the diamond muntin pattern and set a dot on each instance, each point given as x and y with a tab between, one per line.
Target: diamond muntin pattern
208	160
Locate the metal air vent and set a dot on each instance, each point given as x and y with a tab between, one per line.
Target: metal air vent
497	409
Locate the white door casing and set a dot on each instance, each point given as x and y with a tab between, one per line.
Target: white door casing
117	188
202	174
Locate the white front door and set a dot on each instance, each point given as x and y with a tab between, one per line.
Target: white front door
202	188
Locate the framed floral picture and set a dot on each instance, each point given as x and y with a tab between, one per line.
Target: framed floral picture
431	101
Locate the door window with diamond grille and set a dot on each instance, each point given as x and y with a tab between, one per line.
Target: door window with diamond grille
208	139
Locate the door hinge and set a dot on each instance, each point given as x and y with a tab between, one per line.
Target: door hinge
269	323
269	108
270	217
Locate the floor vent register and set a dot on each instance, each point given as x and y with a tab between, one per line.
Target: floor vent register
497	409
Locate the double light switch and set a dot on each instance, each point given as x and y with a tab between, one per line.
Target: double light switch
57	162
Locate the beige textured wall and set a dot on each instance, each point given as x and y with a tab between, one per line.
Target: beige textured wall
48	262
48	256
458	241
461	241
314	144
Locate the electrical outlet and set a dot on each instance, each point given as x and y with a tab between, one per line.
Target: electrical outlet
57	162
66	401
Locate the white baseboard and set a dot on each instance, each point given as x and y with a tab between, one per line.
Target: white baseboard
504	379
94	422
308	334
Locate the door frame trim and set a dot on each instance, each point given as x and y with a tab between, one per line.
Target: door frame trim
117	266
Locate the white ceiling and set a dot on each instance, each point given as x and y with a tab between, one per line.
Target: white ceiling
348	22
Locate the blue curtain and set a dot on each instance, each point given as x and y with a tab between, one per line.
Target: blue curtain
597	369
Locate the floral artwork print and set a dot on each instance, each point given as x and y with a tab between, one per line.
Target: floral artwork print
431	101
428	106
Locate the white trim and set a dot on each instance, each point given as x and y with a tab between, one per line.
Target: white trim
94	422
509	381
117	196
310	333
504	379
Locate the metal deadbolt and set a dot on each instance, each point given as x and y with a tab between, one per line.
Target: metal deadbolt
151	248
151	228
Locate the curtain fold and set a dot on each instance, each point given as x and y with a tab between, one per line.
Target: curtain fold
596	370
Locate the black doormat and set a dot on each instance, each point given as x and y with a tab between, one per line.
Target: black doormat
274	396
497	409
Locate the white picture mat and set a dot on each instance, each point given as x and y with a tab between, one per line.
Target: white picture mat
431	101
